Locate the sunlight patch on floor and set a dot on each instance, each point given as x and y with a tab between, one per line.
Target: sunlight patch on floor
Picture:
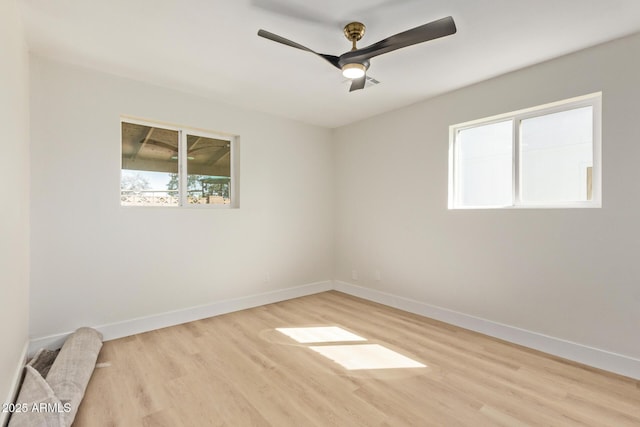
366	356
317	334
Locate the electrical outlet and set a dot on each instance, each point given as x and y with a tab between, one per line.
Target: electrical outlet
267	278
354	274
377	276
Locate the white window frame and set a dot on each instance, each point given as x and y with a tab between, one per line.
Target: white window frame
183	131
593	100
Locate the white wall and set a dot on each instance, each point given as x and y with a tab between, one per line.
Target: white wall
568	273
95	262
14	196
380	189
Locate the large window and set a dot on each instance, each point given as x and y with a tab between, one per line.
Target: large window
174	166
545	156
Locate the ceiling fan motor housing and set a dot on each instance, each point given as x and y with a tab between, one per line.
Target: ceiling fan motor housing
346	61
354	31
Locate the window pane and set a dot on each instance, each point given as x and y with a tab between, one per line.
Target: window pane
484	165
208	170
149	175
557	156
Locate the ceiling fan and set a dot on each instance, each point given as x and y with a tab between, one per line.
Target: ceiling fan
355	63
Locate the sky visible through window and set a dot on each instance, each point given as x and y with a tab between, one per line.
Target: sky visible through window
155	181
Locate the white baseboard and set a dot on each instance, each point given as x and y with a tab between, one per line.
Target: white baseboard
586	355
590	356
149	323
15	384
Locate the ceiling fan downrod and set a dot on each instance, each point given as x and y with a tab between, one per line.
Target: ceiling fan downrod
354	31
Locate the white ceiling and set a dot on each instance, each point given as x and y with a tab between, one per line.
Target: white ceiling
210	47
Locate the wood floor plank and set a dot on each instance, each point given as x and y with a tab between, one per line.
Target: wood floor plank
238	370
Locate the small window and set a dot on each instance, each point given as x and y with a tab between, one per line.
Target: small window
174	166
546	156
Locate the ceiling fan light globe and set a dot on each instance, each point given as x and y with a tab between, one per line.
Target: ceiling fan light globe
353	71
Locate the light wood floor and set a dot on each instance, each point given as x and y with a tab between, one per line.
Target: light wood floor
237	370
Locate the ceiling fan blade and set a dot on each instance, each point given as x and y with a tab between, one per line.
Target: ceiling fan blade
357	84
333	60
433	30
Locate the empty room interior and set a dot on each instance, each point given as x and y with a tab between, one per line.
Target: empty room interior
287	213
